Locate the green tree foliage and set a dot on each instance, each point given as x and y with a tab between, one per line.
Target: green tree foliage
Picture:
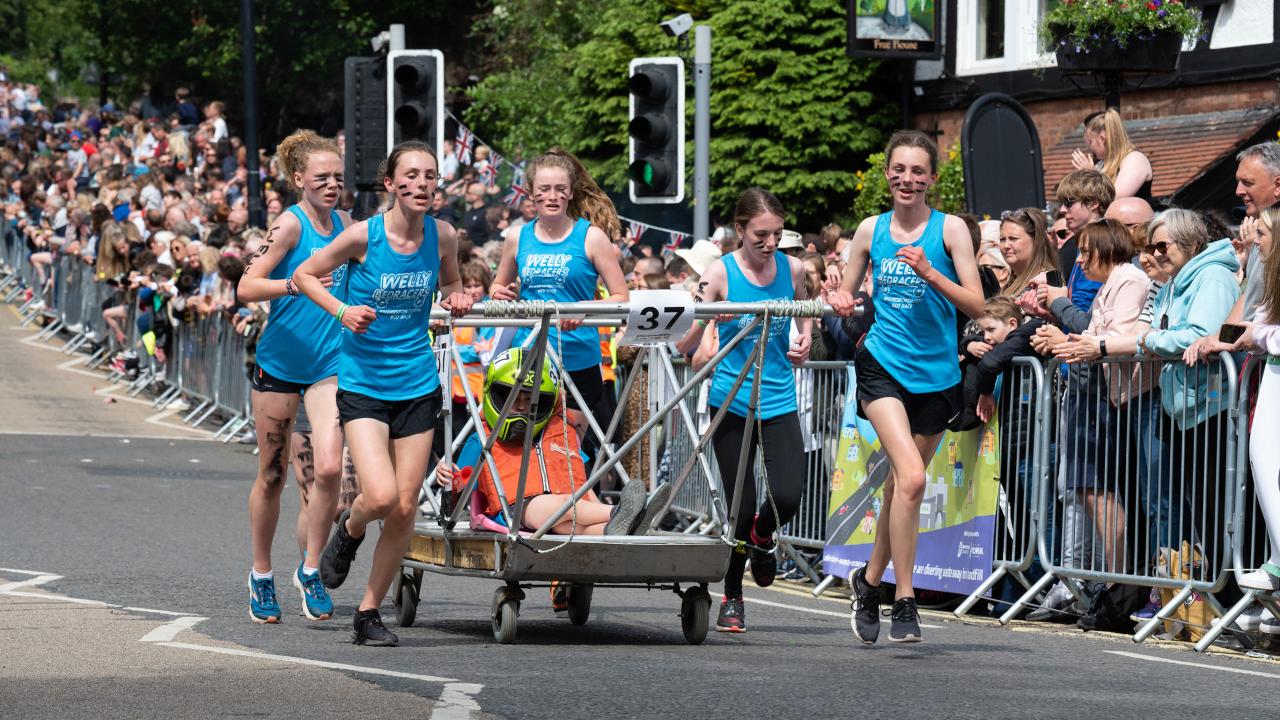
160	44
789	111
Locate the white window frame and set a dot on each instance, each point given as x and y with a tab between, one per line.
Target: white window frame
1021	40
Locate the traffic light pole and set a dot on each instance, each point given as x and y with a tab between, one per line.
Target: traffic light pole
701	132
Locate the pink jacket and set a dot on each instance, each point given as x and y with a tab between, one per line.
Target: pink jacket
1115	312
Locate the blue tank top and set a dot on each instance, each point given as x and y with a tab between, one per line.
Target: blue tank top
778	384
301	341
392	360
560	272
914	335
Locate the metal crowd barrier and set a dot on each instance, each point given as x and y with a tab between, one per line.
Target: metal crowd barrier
1125	492
1023	470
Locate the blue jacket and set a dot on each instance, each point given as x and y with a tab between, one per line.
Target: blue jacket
1192	305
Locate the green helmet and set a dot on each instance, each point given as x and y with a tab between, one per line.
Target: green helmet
500	380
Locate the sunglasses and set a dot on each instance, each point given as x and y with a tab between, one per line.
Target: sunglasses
1062	234
1067	202
1161	247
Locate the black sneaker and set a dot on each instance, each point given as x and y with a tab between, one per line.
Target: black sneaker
733	616
865	619
764	564
560	598
367	629
905	627
652	508
335	561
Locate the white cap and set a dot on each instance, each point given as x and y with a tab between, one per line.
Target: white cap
790	239
700	256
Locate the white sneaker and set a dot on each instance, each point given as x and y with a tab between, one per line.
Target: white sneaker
1270	626
1251	620
1260	580
178	404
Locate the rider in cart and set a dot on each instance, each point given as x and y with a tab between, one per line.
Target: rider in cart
556	468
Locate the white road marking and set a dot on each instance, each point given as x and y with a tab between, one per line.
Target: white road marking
38	580
456	702
56	598
45	434
308	661
168	631
815	611
1202	666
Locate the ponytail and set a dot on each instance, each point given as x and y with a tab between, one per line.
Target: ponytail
1119	145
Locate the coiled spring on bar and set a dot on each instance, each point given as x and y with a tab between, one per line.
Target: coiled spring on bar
516	308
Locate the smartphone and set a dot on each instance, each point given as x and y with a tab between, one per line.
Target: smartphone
1230	332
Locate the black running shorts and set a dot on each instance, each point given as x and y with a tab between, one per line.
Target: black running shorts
929	413
403	417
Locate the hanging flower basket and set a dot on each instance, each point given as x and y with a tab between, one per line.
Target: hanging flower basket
1119	35
1157	52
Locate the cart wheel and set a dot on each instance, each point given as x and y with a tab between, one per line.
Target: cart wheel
417	582
504	622
695	611
406	602
580	602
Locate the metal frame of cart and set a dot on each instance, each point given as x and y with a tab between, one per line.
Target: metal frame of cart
681	562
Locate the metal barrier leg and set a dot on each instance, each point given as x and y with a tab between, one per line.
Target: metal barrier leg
1227	620
1149	629
197	409
235	429
982	589
167	396
1031	592
790	551
230	421
825	585
200	420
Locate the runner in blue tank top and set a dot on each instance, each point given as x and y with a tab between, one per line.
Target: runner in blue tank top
298	351
561	256
908	372
755	273
388	385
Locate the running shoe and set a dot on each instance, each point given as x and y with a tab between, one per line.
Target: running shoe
733	616
1149	610
316	603
367	629
630	510
335	561
1057	599
1260	580
263	607
560	598
905	625
651	510
865	619
1269	625
764	564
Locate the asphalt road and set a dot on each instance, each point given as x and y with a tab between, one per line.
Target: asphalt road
123	560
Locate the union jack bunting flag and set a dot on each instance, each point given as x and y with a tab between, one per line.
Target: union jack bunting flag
637	229
677	241
464	144
518	192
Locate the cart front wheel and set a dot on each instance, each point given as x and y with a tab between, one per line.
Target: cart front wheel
695	611
504	622
580	602
406	599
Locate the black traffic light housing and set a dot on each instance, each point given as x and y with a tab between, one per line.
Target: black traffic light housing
415	98
365	120
656	130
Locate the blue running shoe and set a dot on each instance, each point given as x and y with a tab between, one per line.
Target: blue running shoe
263	607
316	603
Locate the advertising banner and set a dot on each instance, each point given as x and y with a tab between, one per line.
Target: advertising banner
957	516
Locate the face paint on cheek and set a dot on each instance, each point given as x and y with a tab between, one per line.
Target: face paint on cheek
895	181
404	190
920	185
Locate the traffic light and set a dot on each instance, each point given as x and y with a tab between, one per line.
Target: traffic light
415	97
656	130
365	121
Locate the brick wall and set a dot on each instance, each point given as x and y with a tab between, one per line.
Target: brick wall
1057	118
